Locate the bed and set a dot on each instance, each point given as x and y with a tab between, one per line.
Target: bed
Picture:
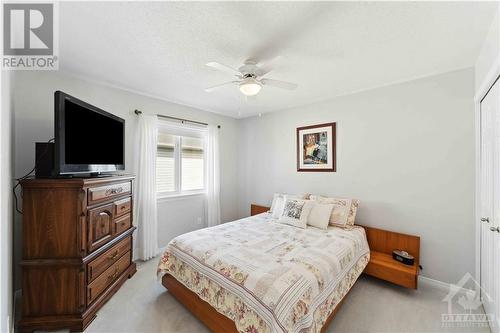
256	275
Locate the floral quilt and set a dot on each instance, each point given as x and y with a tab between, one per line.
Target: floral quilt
267	276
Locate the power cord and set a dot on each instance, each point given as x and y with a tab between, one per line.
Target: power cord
18	180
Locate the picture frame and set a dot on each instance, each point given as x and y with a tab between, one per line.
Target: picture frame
316	148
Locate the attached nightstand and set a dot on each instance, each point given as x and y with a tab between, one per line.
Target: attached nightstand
383	266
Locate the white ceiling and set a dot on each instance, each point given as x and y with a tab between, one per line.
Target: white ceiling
328	48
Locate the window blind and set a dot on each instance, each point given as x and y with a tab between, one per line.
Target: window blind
165	169
192	164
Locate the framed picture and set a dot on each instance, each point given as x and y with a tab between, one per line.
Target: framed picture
316	148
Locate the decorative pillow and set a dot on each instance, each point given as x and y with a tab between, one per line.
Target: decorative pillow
352	212
279	203
343	212
319	217
296	212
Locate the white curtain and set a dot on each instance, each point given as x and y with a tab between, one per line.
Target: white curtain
212	210
146	215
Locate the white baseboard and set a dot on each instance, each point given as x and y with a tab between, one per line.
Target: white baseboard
440	284
435	283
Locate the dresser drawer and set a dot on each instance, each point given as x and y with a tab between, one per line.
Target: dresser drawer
108	258
122	224
99	285
98	194
122	206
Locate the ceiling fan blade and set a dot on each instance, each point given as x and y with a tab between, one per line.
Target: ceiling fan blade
267	66
279	84
212	88
223	68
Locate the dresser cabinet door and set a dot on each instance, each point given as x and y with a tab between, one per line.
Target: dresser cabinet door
100	226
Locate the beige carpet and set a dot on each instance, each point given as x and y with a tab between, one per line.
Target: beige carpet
143	305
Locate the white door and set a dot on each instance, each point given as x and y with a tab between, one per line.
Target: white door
490	203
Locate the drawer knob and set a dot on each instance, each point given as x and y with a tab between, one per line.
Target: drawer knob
111	191
113	256
114	275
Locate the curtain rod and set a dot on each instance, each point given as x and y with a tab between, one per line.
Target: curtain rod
138	112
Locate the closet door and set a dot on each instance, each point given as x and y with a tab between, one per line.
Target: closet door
494	104
490	203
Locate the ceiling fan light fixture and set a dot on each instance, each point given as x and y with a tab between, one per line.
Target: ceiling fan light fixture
250	78
250	87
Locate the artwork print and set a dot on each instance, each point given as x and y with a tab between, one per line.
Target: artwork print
316	148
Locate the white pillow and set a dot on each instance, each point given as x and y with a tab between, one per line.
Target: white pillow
279	203
343	212
296	212
319	217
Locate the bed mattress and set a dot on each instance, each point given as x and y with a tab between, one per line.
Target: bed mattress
267	276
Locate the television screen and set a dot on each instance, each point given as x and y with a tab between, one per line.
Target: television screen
91	138
88	139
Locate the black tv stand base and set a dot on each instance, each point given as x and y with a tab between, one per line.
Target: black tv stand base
99	175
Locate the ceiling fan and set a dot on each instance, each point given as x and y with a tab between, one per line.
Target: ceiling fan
250	77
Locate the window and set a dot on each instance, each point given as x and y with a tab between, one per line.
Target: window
180	159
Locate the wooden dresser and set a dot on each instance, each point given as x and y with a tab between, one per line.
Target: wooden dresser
77	249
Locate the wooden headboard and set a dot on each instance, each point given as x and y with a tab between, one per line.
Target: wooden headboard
379	240
256	209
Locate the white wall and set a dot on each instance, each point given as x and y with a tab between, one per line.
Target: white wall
189	208
34	114
488	61
6	216
406	151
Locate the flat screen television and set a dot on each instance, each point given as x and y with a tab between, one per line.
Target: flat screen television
87	139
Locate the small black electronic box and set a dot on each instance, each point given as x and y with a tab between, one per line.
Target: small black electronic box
403	257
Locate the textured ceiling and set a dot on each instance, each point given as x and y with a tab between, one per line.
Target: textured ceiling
328	48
